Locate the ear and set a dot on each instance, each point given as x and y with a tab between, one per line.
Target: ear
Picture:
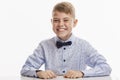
75	22
51	21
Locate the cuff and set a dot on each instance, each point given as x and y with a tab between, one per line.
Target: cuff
88	73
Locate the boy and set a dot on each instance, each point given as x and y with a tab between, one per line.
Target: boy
65	55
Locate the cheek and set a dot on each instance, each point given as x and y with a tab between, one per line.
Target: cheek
54	27
69	25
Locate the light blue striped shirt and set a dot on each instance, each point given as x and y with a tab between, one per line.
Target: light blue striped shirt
77	56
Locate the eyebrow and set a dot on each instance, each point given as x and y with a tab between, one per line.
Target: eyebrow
63	18
66	18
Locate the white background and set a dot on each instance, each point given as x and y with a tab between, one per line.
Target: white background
24	23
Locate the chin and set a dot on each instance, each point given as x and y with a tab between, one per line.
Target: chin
61	36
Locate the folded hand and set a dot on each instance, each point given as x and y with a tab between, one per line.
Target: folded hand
74	74
48	74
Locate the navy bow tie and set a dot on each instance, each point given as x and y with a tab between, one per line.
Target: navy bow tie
60	44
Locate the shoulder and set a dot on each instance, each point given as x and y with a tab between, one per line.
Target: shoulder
47	41
81	41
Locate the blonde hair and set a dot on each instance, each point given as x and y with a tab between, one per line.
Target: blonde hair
65	7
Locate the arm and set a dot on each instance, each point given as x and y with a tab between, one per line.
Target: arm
96	61
33	62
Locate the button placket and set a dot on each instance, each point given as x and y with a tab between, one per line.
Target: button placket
64	55
64	60
63	71
64	48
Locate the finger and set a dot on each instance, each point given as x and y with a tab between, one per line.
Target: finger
49	75
43	75
66	75
46	76
53	74
72	76
69	75
75	76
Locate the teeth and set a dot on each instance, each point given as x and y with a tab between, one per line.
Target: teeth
61	29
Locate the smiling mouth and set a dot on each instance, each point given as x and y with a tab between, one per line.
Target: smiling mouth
61	29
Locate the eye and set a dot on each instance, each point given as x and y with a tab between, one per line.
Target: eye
66	20
55	20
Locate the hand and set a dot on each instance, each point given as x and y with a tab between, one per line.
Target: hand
74	74
48	74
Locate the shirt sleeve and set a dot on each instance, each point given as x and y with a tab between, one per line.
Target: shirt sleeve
97	62
33	62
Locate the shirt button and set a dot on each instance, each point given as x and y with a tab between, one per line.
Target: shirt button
64	60
64	48
63	71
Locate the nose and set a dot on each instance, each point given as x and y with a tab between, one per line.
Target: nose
61	23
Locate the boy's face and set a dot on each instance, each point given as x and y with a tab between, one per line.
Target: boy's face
63	24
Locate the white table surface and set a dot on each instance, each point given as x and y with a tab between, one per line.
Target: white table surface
58	78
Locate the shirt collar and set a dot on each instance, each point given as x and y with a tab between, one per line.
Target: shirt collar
71	38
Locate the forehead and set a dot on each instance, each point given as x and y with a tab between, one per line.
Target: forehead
57	14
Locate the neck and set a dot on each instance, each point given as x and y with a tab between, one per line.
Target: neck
66	37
